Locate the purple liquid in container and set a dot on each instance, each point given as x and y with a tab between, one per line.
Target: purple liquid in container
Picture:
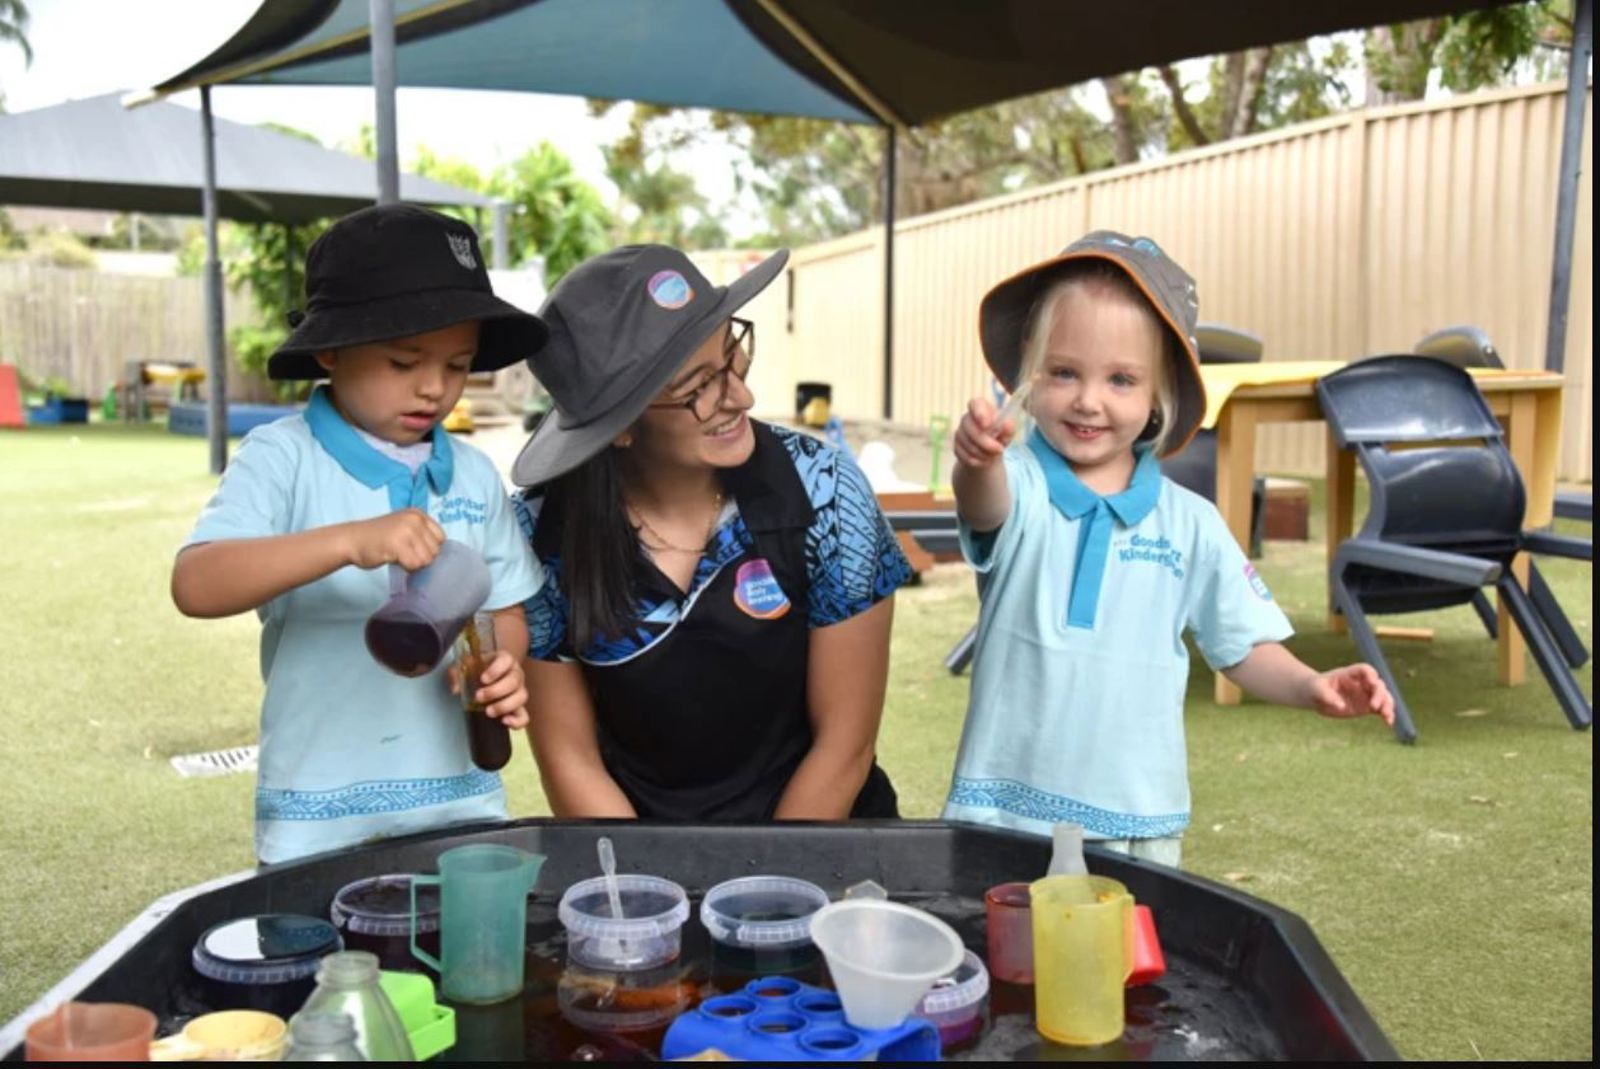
411	633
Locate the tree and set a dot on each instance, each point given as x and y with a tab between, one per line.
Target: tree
14	27
1470	51
554	214
1258	89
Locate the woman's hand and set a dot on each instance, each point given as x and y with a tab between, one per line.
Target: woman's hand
502	690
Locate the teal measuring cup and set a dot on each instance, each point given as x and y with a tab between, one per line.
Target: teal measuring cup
483	917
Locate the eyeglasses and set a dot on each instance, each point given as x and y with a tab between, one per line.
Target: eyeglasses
738	351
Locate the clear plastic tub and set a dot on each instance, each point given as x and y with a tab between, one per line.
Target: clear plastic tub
267	962
649	932
762	912
374	914
956	1003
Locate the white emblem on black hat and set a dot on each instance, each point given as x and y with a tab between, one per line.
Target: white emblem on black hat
461	247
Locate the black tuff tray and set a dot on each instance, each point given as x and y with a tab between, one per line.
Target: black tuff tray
1245	979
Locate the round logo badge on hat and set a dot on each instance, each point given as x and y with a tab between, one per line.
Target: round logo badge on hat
757	593
670	290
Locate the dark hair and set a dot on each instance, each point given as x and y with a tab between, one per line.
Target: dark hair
599	548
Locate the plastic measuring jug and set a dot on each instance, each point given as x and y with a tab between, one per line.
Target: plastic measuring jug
412	631
483	917
1082	956
883	957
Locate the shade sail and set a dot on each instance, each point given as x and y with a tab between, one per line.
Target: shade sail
94	153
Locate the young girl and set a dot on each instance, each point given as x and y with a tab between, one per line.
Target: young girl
313	508
1091	565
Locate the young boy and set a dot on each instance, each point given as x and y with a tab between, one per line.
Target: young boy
315	505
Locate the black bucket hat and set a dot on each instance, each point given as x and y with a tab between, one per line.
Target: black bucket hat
394	270
1003	315
622	324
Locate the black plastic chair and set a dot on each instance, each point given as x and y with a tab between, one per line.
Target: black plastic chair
1463	346
1195	466
1445	520
1466	346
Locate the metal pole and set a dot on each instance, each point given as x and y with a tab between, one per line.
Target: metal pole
381	13
1555	341
889	141
502	235
216	368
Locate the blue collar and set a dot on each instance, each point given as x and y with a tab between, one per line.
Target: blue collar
371	468
1076	501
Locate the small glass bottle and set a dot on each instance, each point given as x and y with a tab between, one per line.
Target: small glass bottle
322	1037
347	982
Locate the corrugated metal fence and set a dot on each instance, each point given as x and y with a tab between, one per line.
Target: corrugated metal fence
1337	239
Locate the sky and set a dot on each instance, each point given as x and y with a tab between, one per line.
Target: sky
83	48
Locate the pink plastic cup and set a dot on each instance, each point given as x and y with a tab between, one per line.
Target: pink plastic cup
1010	916
92	1032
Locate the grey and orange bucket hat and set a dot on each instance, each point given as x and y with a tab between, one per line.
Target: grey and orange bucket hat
1003	314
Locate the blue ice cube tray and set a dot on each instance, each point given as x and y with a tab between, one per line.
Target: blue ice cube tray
780	1019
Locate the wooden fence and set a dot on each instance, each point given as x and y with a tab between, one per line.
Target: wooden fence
83	325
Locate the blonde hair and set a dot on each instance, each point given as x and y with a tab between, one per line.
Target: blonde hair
1113	283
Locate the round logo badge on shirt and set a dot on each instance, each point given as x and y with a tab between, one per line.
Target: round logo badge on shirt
669	289
757	593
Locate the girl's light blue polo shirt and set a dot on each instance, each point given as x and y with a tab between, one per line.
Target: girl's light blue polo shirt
1080	668
349	750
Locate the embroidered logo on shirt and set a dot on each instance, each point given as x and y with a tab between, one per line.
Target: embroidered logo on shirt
461	510
1258	584
1155	550
757	593
461	249
669	289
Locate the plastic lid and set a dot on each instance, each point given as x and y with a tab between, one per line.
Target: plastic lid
272	948
762	911
381	906
967	986
663	906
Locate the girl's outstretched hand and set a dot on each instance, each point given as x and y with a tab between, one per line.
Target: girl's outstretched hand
979	442
1354	690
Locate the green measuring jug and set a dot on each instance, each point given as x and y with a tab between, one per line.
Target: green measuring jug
483	919
1082	957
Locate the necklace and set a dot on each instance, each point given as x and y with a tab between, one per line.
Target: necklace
662	543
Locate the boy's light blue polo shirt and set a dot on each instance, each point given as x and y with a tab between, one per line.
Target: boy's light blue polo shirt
1079	673
349	750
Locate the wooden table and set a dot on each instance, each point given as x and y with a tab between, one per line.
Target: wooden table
1527	403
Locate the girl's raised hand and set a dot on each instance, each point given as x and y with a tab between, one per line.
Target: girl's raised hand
1354	690
979	441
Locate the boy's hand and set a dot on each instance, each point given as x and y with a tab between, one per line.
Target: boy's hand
1354	690
978	441
502	690
410	538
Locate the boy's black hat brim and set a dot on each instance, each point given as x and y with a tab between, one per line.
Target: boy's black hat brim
507	333
559	444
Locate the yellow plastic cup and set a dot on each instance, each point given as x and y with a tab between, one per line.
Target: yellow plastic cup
1082	957
238	1036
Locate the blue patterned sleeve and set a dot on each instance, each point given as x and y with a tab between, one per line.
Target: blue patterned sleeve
546	610
854	560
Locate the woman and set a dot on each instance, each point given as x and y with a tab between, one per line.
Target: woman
716	644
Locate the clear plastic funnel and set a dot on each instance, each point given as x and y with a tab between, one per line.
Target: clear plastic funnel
883	957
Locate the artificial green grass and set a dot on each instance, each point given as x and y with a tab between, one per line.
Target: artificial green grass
1451	880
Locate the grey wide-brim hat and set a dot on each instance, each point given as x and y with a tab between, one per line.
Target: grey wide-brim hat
622	324
1003	315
